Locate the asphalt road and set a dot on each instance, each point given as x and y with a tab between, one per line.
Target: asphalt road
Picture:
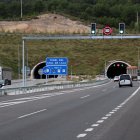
104	112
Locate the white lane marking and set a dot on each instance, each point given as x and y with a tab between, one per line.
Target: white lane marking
33	97
122	104
95	125
27	99
84	96
11	103
26	115
119	106
100	121
42	96
112	112
108	115
81	135
104	118
89	129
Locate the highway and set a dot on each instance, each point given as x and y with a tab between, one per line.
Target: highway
104	112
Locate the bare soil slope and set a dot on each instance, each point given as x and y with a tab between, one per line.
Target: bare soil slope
47	23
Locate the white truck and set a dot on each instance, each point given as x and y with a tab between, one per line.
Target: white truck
133	71
5	76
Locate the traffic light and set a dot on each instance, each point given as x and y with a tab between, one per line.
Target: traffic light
122	65
121	28
118	65
93	28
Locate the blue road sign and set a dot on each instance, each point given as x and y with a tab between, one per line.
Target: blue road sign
56	66
56	61
55	70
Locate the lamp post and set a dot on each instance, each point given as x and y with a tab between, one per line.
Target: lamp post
21	12
23	61
19	62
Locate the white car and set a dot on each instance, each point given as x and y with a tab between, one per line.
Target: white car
125	80
116	78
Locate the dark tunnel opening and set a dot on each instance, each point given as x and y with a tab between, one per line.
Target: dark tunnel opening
38	75
116	69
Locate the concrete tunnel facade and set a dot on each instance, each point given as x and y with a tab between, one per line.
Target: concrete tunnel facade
114	68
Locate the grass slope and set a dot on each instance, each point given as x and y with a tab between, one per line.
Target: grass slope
85	56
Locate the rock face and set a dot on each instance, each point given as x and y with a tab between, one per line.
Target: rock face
47	23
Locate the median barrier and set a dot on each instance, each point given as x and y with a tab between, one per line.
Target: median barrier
41	88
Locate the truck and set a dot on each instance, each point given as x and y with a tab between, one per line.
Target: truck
133	71
5	76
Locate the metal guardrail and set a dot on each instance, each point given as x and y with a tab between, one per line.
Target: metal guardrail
80	37
40	88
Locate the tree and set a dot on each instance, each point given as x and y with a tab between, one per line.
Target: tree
39	6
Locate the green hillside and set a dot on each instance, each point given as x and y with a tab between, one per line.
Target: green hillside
100	11
86	57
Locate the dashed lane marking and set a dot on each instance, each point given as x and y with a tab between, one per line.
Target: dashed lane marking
107	115
81	135
100	121
119	106
104	118
89	129
84	96
112	112
95	125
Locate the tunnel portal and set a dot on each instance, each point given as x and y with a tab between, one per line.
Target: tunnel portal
116	68
36	72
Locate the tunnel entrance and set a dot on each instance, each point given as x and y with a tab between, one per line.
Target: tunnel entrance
116	68
36	72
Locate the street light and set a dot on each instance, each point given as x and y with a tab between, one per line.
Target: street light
21	9
19	62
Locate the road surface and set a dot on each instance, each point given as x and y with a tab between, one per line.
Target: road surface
104	112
